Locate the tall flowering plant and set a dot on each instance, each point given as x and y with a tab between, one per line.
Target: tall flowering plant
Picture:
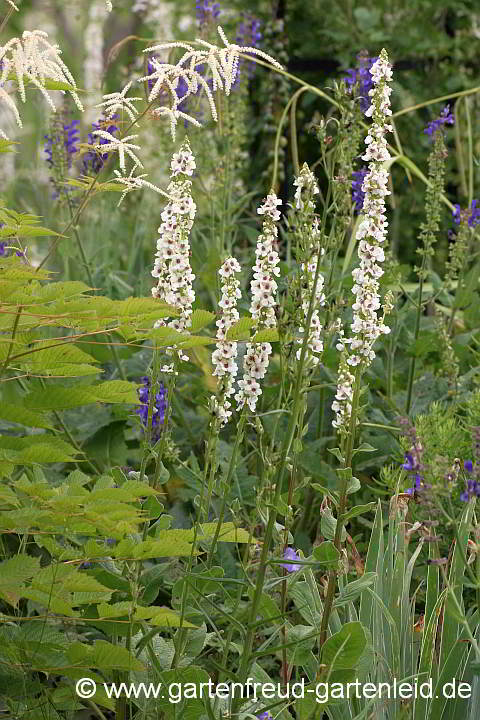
225	355
263	303
368	318
368	324
172	259
309	255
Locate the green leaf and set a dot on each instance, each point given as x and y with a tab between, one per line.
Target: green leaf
343	649
326	553
241	329
352	590
13	573
200	319
358	510
266	335
57	397
16	413
328	525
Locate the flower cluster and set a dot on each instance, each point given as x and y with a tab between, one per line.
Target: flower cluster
248	33
308	234
172	259
159	408
206	10
262	307
34	59
472	484
367	325
223	66
358	195
225	354
360	80
60	148
470	216
445	118
64	139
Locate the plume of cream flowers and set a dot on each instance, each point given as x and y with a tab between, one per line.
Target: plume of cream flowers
225	355
172	259
367	323
263	302
33	58
223	65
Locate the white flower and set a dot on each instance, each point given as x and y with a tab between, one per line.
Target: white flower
33	58
224	357
116	102
132	182
263	303
172	259
223	66
119	145
109	6
367	324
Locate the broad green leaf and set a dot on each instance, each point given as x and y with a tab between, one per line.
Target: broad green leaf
342	650
326	553
16	413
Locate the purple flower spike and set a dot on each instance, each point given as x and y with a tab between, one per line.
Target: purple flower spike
409	463
471	215
358	196
264	716
362	79
291	555
159	408
445	118
468	466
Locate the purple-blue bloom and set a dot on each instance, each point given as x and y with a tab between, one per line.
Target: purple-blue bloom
68	136
445	118
291	555
264	716
207	9
468	466
472	215
358	196
362	79
158	416
248	35
92	160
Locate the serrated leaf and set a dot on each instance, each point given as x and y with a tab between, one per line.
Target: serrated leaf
241	329
200	319
56	397
13	573
16	413
266	335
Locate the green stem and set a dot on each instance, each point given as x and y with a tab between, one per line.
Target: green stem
347	463
411	369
